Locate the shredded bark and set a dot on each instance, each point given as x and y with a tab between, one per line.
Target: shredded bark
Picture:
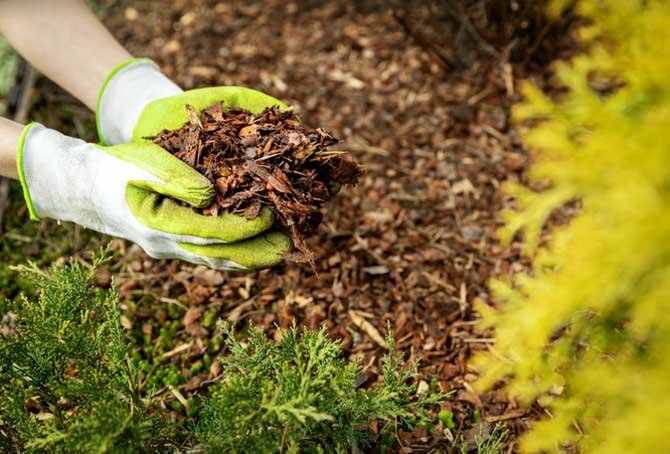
265	160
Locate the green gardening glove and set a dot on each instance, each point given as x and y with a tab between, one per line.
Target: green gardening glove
138	101
129	191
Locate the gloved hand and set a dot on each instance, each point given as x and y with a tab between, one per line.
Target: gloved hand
119	190
138	101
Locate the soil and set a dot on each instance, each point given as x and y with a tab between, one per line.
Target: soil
420	93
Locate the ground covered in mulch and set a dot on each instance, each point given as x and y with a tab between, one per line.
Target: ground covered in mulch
420	95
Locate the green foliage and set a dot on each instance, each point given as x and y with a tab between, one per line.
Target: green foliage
493	444
484	442
589	330
447	418
299	395
65	381
70	384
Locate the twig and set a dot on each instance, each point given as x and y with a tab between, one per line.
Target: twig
482	340
178	349
509	415
180	397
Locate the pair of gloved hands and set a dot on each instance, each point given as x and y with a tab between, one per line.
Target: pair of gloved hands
127	187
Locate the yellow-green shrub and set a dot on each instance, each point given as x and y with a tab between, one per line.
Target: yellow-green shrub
589	329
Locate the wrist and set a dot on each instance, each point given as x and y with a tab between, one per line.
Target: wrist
10	134
124	95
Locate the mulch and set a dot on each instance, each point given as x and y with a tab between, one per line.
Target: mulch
269	159
424	104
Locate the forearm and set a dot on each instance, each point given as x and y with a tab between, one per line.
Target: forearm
10	131
65	41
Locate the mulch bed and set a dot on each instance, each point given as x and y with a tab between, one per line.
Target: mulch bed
424	105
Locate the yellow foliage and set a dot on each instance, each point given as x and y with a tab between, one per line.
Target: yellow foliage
589	330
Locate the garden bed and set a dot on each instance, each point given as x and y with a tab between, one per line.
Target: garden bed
412	246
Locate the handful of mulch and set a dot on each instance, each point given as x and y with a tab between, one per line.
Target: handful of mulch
265	160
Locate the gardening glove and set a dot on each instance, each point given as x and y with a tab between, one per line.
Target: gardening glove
138	101
131	191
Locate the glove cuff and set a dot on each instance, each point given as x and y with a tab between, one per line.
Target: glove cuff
124	95
22	173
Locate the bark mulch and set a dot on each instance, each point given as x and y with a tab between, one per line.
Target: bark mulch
420	94
265	160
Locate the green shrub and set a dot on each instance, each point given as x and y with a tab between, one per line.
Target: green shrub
299	395
588	331
68	384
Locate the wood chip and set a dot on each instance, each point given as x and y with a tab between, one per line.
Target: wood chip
268	159
367	327
192	314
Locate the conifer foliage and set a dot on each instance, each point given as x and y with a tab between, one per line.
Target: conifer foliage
68	385
300	395
589	330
